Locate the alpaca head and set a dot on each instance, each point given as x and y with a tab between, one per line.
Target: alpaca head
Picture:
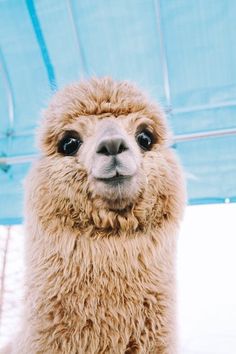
106	155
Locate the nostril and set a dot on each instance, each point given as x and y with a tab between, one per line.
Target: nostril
103	150
112	146
122	148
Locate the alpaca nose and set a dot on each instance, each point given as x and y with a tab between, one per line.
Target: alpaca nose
112	146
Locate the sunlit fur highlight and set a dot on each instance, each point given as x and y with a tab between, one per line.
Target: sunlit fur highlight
100	279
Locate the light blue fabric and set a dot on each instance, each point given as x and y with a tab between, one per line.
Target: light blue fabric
46	44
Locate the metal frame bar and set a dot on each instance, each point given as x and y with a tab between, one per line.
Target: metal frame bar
177	139
204	135
42	44
13	160
204	107
18	134
163	56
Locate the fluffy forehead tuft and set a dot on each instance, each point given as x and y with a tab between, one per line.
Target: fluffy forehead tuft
96	96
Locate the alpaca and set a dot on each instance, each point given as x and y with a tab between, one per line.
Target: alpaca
103	206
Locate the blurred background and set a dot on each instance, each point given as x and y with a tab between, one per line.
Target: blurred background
183	54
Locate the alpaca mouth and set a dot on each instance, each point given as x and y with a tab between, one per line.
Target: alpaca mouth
116	191
115	180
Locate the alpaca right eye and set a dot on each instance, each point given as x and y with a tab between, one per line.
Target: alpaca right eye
69	145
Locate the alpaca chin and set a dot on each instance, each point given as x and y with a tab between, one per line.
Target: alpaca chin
116	193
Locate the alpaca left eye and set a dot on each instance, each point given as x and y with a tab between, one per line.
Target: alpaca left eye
145	140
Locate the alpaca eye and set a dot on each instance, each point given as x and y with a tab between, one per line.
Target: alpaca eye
145	140
69	145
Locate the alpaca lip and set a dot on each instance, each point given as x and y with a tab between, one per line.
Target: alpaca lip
115	179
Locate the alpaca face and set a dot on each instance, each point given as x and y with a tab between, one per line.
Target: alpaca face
110	150
104	144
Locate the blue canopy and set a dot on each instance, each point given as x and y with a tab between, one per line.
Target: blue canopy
182	52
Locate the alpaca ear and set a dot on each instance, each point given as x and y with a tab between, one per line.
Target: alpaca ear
167	133
155	111
166	136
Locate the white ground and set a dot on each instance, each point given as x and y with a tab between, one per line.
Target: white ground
206	278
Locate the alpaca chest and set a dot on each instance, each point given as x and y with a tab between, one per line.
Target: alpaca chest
103	310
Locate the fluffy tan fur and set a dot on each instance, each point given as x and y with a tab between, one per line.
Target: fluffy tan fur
101	265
